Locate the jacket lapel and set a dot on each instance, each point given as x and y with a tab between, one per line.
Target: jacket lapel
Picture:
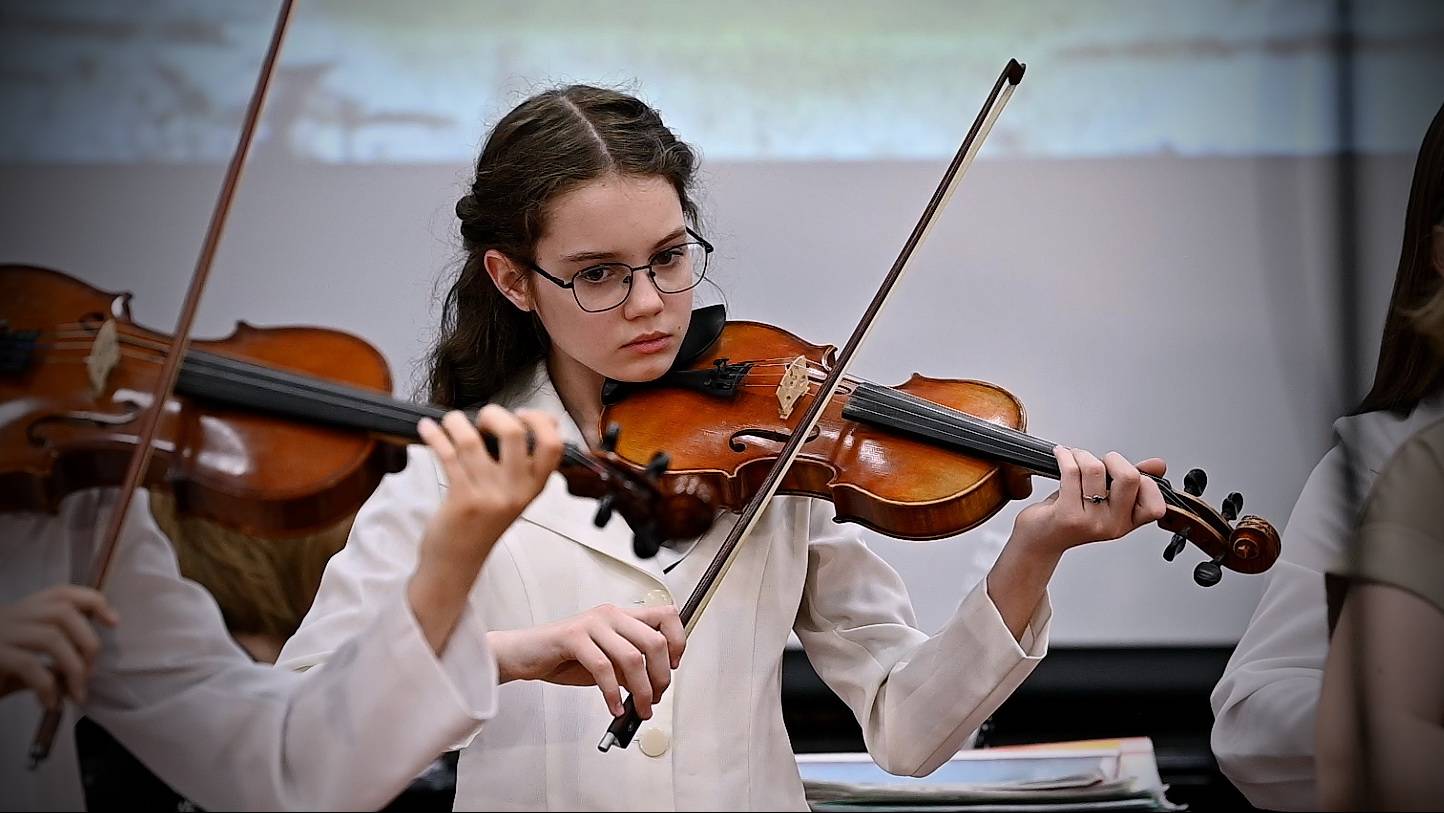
557	510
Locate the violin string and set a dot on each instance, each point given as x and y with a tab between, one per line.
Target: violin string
339	395
978	430
1018	448
322	392
298	384
1167	492
982	443
1042	447
125	336
200	362
400	419
198	358
343	397
245	373
923	405
125	354
80	330
765	384
889	415
375	404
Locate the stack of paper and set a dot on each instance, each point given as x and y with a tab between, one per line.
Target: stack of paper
1089	775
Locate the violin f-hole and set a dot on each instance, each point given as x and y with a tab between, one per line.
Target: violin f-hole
738	441
35	431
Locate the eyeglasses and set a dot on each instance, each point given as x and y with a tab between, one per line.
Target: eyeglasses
604	286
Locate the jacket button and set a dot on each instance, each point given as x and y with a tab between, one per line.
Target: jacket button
654	741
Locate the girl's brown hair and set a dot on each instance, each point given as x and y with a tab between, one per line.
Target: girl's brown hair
546	146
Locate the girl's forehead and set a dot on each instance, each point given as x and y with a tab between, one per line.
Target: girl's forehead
614	207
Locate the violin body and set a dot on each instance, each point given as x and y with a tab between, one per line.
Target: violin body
62	430
730	443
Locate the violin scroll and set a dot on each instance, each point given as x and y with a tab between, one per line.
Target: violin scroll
657	509
1248	544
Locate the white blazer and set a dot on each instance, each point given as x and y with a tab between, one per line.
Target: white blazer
228	733
1266	703
716	740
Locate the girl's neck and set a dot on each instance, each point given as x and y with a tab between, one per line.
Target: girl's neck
580	390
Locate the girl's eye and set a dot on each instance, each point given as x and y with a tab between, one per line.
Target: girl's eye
595	274
666	258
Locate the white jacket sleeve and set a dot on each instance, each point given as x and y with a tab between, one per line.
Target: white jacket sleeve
232	734
918	698
1265	704
380	555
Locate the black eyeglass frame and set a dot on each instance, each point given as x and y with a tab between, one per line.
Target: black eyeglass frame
633	269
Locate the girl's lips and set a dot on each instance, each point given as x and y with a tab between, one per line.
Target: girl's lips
650	344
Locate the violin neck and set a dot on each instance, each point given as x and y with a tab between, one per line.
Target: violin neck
225	380
229	381
943	426
947	427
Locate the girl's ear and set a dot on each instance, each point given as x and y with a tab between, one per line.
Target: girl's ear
510	279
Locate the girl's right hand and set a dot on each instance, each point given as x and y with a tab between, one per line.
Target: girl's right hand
607	647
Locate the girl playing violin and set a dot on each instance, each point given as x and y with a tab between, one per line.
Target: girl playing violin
582	249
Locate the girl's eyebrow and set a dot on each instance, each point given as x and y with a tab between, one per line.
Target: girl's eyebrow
580	256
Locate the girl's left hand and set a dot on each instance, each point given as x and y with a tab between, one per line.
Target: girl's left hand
1074	515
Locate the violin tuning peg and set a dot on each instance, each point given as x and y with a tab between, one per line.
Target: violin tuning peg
646	542
609	438
1232	504
657	465
1195	482
1175	546
604	510
1208	574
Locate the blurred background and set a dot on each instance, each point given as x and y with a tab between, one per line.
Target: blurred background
1178	241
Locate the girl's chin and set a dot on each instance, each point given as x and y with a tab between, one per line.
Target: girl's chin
635	369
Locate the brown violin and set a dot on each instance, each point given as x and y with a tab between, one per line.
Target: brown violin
274	431
927	459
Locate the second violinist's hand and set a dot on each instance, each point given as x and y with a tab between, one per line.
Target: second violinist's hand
47	643
484	496
1067	519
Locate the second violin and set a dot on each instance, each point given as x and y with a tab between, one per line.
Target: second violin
272	431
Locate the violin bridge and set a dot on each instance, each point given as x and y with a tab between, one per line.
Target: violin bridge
104	355
792	386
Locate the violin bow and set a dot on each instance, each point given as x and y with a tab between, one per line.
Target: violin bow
165	384
625	725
